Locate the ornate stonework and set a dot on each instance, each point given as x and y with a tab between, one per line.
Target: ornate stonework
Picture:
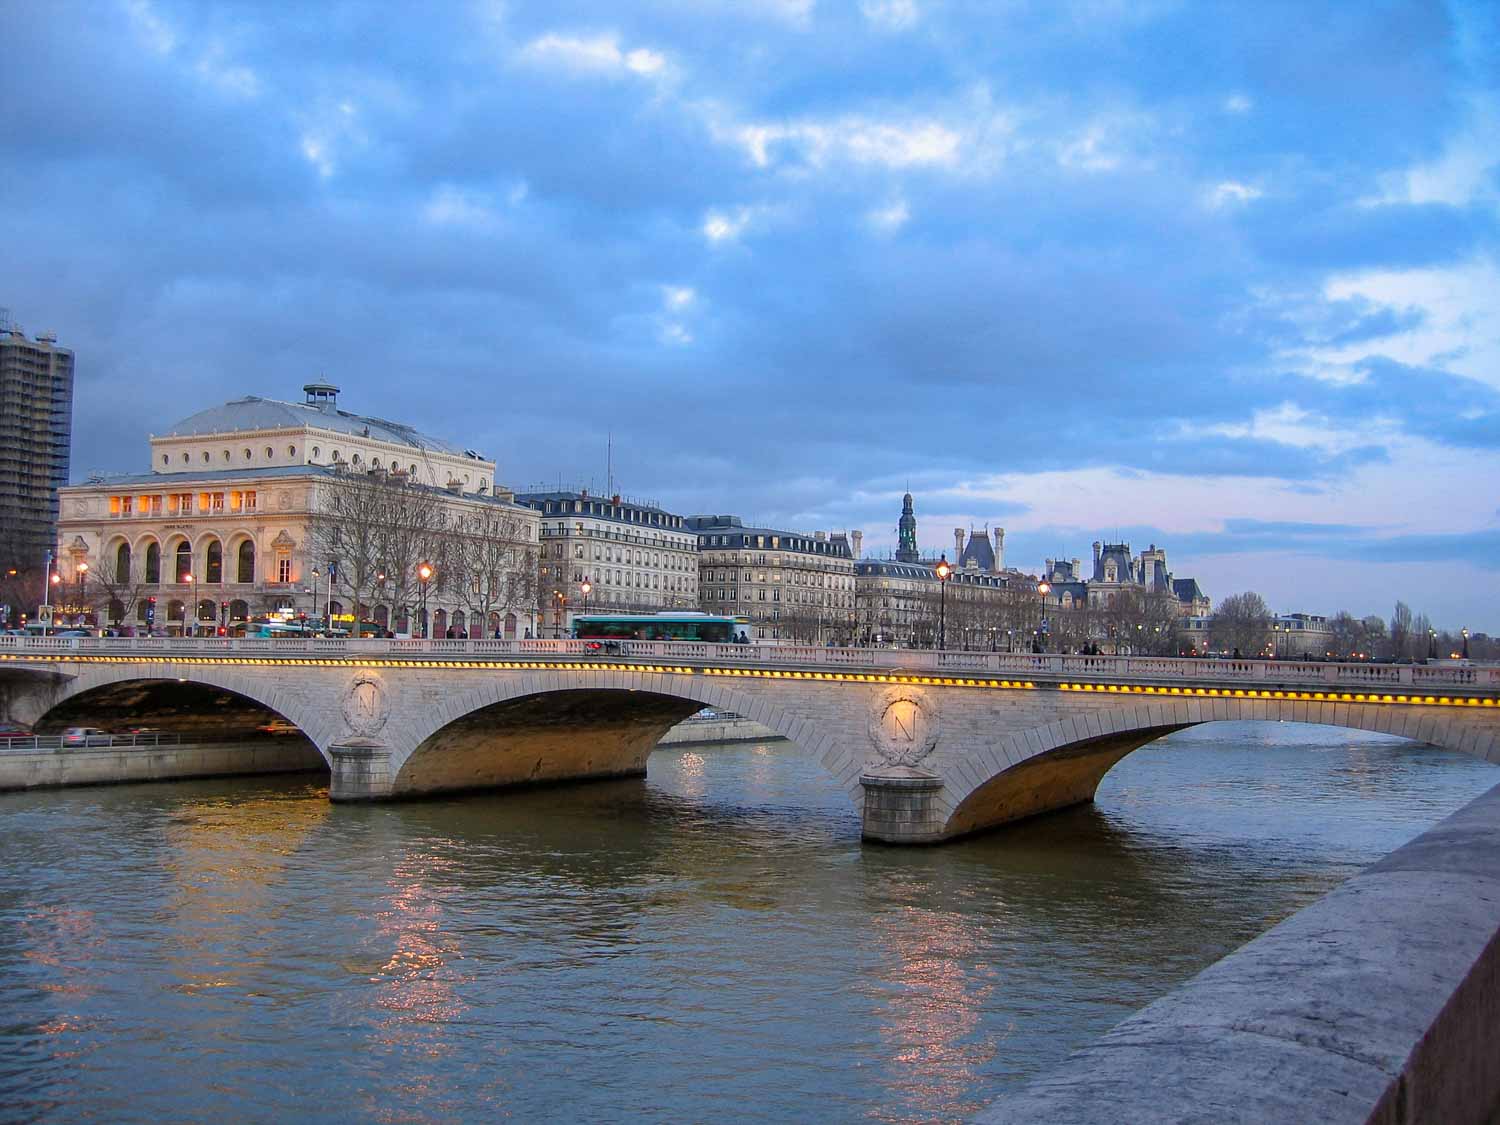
904	726
366	704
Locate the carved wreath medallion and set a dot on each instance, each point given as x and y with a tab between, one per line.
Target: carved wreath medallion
366	706
904	726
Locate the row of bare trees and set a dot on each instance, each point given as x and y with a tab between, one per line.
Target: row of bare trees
374	532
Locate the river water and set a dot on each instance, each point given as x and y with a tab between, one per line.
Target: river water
711	943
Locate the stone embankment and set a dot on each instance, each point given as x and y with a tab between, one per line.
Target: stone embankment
1378	1003
115	765
722	726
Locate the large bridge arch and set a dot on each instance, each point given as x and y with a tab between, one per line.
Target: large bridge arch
1062	763
526	729
35	693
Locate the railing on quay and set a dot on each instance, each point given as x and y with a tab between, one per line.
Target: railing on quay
1031	666
85	742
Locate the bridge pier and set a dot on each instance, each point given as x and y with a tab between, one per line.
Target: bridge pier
902	806
360	770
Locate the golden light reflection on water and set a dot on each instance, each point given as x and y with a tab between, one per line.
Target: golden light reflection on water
932	1006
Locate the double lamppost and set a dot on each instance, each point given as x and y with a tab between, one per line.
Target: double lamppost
189	577
1043	588
586	587
943	572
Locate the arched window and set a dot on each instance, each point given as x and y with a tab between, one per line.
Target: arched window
153	562
247	454
247	562
214	570
270	453
184	562
116	611
382	617
239	610
122	564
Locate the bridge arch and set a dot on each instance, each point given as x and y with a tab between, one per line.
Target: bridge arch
498	733
1062	763
38	698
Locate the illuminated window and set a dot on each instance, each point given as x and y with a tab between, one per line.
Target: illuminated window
283	569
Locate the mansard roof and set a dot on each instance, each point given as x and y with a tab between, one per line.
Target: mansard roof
978	551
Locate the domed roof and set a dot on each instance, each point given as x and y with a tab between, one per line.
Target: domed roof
255	413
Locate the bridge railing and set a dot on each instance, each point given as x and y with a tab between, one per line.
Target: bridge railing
1023	665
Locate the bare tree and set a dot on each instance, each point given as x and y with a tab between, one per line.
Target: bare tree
1401	635
108	590
492	567
1242	624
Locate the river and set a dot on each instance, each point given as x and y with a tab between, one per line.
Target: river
712	943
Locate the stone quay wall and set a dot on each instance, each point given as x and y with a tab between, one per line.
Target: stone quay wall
112	765
703	732
1378	1003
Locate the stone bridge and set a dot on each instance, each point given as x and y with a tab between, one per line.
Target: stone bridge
928	745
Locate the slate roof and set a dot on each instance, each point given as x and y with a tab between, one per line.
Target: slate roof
256	413
978	551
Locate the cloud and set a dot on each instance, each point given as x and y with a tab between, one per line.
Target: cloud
891	217
1229	192
597	54
854	139
1238	104
891	15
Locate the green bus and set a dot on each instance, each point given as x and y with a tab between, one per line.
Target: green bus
683	626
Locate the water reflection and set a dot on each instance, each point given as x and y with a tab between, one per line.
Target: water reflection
711	942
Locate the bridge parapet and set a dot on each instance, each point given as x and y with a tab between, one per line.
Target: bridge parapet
1048	667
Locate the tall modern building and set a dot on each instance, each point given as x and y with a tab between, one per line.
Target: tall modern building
36	428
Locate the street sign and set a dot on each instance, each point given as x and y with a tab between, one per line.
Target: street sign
44	614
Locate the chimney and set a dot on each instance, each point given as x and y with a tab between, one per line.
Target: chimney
958	544
858	537
820	536
1098	552
999	549
1077	570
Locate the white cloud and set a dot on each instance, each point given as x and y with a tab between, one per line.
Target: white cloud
1238	103
891	15
451	206
677	297
214	67
892	217
1230	191
599	54
1460	327
675	334
859	140
726	226
1289	424
157	33
325	130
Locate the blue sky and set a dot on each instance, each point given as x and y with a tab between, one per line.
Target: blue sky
1225	278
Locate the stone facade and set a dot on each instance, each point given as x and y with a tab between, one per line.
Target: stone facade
792	585
635	557
219	530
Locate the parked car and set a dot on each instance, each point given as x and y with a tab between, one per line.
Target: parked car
85	736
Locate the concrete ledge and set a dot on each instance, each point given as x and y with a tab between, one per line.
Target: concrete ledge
1378	1003
119	765
701	732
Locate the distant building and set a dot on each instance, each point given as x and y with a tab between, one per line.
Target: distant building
794	586
220	529
635	557
36	427
1115	571
1295	635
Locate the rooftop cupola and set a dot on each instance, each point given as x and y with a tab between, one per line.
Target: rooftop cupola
323	396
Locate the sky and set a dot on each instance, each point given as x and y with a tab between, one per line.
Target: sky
1224	278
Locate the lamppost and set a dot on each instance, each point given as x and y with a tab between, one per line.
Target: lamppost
1043	588
82	570
1431	644
562	606
1466	644
193	579
316	574
943	572
50	592
424	576
586	587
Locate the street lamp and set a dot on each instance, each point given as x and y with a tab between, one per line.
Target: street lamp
586	587
52	593
424	576
193	579
82	570
1043	588
1466	644
562	606
943	572
1431	644
315	574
